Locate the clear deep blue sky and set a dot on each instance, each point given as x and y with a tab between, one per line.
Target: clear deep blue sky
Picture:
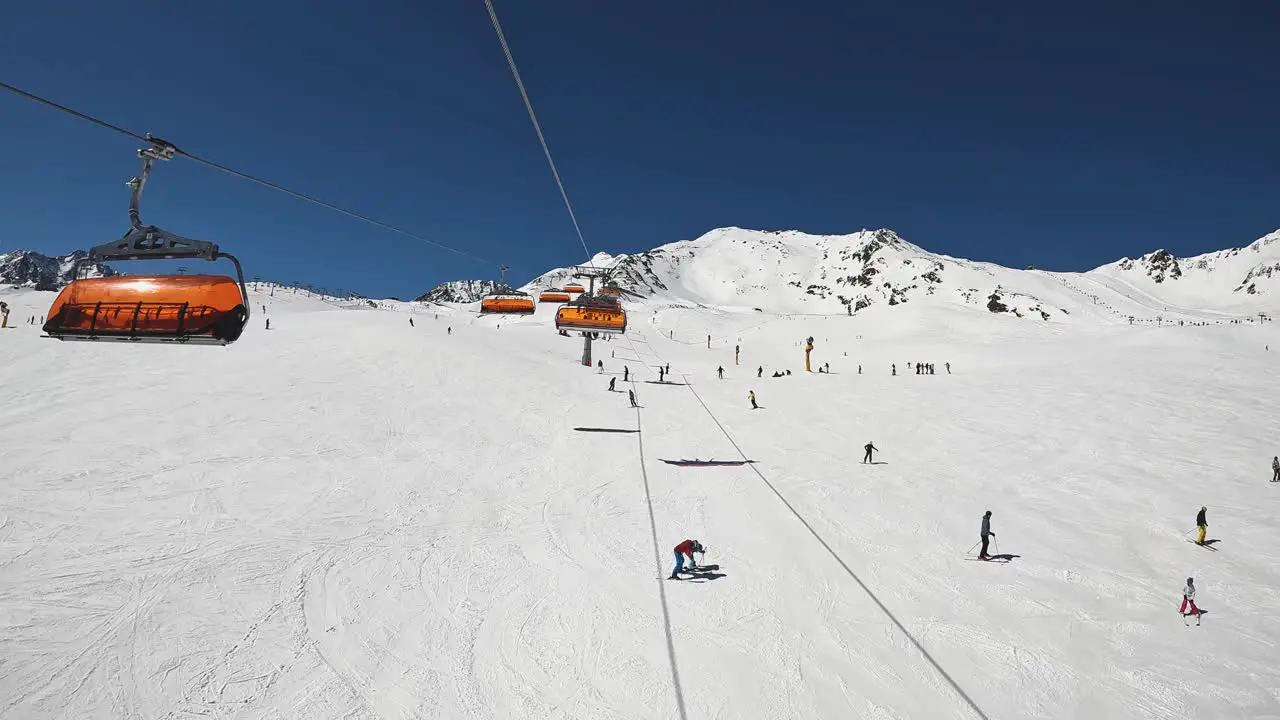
1061	134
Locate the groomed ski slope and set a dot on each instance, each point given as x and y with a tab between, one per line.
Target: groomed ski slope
349	517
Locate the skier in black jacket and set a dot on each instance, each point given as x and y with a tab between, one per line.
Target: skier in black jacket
868	447
987	533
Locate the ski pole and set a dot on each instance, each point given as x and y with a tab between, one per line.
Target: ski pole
966	552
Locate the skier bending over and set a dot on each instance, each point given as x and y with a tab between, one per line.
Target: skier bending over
1202	525
1189	598
986	534
688	547
868	447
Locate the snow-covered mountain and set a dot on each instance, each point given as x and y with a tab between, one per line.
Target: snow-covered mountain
1216	278
802	273
460	291
26	268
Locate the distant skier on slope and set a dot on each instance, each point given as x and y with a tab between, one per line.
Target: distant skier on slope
720	372
895	368
688	547
1202	525
869	447
1189	598
948	368
632	395
612	380
626	373
751	395
1275	469
986	534
760	371
600	366
410	322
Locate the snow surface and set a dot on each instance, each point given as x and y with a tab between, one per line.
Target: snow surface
349	517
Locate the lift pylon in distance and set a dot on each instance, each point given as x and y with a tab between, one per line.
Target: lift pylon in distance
197	309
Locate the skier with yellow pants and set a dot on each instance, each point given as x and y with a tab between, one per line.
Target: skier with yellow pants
1202	525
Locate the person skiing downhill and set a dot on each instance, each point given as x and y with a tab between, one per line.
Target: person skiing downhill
612	380
688	547
986	533
1202	525
751	395
1189	598
868	447
632	394
1275	469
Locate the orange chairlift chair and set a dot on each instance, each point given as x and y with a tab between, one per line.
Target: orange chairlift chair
553	296
593	315
198	309
507	302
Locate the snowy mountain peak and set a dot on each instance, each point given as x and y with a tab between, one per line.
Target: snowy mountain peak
1250	270
793	271
461	291
26	268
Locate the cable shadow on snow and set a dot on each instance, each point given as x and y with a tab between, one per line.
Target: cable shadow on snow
605	430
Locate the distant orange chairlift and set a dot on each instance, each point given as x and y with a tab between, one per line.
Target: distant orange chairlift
508	302
576	289
553	296
196	309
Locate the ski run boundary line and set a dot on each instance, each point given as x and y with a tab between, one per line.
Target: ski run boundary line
830	550
657	562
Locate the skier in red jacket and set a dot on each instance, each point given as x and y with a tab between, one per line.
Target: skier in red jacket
688	547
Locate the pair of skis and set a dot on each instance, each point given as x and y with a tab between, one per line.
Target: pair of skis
1197	614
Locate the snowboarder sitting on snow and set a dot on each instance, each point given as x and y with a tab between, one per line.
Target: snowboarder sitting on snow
1202	525
1189	598
688	547
986	534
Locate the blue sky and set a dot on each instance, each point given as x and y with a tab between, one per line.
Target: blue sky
1065	135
